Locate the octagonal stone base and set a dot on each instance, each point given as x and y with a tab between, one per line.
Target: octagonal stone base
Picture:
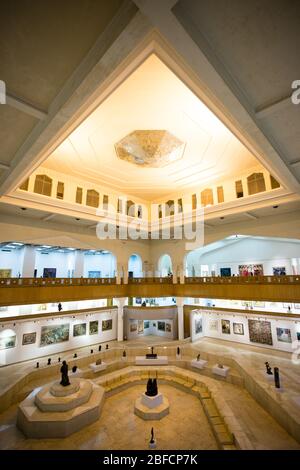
79	393
148	413
54	423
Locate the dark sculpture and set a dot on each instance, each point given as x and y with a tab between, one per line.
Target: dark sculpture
269	369
178	350
151	355
99	348
59	359
37	365
276	377
59	307
49	362
92	351
107	346
74	369
124	353
152	390
198	357
152	440
75	355
98	362
220	366
64	374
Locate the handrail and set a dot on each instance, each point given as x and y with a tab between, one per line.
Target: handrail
84	281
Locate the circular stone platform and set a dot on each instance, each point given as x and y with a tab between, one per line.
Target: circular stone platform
46	401
151	408
57	390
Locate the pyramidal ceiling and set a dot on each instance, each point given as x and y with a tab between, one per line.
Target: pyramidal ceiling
152	136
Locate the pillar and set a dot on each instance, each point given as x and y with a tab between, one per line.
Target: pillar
79	264
120	332
179	303
28	261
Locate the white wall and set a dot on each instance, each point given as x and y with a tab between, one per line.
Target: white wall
105	263
152	330
63	262
22	353
293	325
12	260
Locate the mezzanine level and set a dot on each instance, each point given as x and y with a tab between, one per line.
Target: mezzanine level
18	291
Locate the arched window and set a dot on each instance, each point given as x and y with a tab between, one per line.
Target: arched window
43	185
169	208
130	208
92	198
256	183
207	197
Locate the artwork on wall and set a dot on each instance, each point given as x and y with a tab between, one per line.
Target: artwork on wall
260	332
168	327
246	303
225	272
297	305
251	270
94	274
28	338
49	272
5	273
284	335
298	335
140	327
285	305
225	327
154	324
259	304
213	325
93	327
279	271
54	334
138	300
79	329
198	325
7	342
146	324
133	327
161	326
106	325
42	307
238	328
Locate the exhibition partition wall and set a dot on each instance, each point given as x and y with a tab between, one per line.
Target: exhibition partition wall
158	321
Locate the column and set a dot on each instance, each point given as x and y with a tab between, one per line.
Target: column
120	303
119	273
79	264
179	303
28	261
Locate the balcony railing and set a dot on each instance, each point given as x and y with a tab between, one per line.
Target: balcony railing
83	281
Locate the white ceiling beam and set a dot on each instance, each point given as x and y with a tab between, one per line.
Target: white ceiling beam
251	216
26	108
276	106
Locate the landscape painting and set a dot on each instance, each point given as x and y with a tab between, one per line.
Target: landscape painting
106	325
225	327
161	326
93	327
238	328
260	332
8	342
79	330
28	338
146	324
284	335
54	334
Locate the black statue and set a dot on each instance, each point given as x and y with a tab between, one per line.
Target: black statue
152	440
49	362
198	357
59	359
59	307
99	348
220	366
75	355
151	355
269	369
98	362
178	351
276	377
152	390
107	346
124	353
92	351
64	374
37	365
74	369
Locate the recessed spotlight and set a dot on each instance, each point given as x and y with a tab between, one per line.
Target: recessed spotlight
275	207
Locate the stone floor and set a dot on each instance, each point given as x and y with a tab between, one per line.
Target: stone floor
186	426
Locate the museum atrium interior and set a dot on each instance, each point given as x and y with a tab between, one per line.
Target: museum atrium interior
149	225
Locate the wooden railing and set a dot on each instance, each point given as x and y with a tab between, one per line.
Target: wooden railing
58	281
243	280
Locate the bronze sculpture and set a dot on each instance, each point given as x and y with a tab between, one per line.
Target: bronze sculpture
64	374
152	390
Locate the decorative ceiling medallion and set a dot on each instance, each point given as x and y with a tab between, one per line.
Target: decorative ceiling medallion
150	148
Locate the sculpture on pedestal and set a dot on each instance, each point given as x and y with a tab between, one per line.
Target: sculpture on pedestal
64	374
269	369
37	365
124	353
74	369
92	351
276	377
98	362
59	307
151	355
152	390
99	348
178	351
49	362
198	357
75	355
220	366
107	346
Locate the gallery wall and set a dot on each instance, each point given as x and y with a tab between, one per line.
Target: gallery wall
257	330
39	333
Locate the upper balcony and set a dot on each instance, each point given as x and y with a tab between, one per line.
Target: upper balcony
19	291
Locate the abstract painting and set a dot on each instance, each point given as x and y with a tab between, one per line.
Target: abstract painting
146	324
79	329
28	338
93	327
106	325
284	335
161	326
260	332
54	334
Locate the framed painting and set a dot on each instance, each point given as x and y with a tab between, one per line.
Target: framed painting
284	335
146	324
140	327
168	327
225	327
94	327
214	325
79	329
198	325
279	271
28	338
161	326
54	334
260	332
238	328
107	325
225	272
133	327
7	342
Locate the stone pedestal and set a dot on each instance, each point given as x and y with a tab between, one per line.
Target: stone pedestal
198	364
152	402
151	408
223	372
98	367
